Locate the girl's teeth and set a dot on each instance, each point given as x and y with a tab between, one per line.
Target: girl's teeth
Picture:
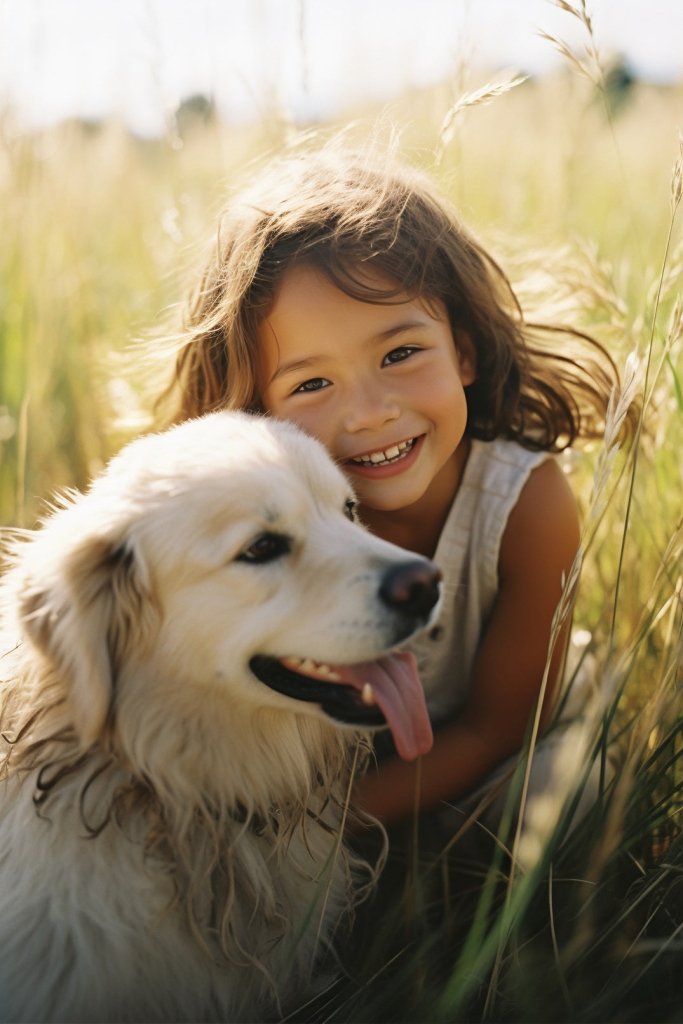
396	450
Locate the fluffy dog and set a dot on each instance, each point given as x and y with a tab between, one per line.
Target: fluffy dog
191	652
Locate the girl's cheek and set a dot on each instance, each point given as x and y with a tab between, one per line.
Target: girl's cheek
312	421
308	422
271	403
315	415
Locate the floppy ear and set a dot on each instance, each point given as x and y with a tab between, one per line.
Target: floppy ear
83	615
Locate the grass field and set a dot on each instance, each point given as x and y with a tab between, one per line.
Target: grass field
574	188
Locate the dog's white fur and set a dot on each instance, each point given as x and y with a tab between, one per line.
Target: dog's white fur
169	826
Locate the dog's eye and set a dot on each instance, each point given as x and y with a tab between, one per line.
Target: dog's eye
266	548
350	509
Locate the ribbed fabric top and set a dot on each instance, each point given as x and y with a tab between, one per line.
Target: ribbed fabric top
467	554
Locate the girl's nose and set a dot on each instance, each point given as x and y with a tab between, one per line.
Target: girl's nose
369	407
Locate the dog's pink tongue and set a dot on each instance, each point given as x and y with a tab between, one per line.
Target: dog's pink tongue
398	693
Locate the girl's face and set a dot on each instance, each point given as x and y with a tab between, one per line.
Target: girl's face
380	385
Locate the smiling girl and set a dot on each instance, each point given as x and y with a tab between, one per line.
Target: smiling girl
348	298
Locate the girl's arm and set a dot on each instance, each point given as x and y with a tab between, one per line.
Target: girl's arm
537	551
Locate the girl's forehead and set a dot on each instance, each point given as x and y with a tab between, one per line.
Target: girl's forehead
305	287
313	319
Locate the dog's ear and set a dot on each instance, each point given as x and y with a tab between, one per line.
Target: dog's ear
83	614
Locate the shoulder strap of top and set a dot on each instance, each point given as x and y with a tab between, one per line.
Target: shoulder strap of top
494	477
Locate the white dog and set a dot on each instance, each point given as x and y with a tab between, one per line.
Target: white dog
181	647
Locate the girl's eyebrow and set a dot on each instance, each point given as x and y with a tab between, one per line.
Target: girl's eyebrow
293	365
416	323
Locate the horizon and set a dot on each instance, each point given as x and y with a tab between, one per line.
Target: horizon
76	59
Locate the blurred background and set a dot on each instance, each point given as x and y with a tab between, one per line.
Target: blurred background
309	59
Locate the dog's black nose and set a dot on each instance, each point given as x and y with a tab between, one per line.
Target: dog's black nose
411	587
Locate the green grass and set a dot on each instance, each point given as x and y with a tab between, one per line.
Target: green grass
100	233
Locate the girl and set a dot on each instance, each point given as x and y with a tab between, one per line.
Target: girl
348	298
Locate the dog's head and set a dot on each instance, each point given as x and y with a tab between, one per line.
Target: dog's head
219	564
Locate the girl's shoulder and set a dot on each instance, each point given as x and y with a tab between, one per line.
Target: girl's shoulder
498	470
495	476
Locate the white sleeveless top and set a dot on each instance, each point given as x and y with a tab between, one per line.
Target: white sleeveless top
467	554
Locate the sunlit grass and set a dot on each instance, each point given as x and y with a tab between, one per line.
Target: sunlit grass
100	232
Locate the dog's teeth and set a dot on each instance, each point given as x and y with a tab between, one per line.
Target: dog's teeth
325	670
309	667
367	694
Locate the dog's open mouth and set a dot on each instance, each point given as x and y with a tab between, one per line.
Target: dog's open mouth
373	693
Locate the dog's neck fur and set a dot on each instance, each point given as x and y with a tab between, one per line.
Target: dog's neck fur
206	850
199	828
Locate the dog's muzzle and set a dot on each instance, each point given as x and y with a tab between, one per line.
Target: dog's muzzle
372	694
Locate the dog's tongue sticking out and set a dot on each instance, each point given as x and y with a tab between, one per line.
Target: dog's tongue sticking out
397	691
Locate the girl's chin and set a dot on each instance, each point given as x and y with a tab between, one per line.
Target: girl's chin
386	499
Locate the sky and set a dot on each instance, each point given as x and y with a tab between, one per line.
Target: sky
313	58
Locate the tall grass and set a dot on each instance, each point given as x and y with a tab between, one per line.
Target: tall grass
580	198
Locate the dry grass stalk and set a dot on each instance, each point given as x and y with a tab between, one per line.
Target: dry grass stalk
677	176
527	846
672	340
590	66
476	98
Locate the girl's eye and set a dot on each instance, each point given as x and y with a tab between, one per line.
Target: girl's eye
398	355
314	384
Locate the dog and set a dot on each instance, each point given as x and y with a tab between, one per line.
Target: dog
195	651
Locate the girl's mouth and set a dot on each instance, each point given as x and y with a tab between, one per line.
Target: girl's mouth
384	459
380	458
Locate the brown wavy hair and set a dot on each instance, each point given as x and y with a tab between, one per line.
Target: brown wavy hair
545	386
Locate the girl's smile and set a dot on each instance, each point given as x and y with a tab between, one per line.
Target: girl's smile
381	385
397	458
